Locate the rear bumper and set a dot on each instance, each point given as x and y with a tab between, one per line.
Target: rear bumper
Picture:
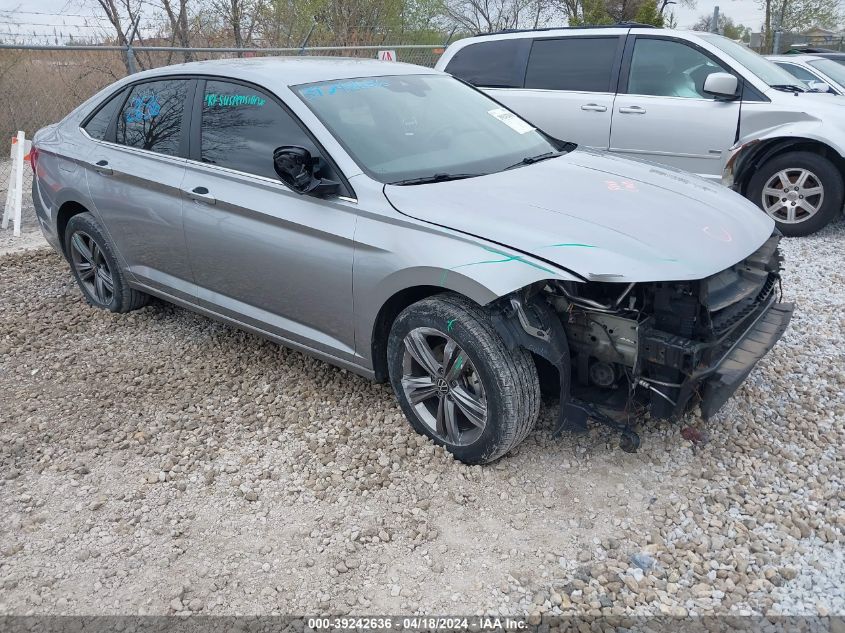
720	382
44	219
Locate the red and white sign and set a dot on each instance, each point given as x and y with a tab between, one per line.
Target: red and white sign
387	56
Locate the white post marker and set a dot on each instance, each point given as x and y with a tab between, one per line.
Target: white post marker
14	192
387	56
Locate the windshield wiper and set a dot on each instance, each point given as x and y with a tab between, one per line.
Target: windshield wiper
529	160
788	88
442	177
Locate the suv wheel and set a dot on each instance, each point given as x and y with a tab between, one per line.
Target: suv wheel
801	191
457	382
95	267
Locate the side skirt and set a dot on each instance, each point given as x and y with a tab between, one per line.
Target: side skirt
359	370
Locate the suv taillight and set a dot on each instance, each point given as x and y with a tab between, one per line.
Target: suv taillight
33	157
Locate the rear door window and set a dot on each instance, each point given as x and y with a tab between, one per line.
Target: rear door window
242	127
491	64
583	64
151	118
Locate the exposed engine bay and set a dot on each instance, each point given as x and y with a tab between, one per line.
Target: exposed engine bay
622	350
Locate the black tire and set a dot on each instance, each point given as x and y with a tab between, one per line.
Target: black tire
822	169
508	377
83	231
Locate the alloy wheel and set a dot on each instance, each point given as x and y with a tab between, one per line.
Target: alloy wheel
90	264
443	386
793	195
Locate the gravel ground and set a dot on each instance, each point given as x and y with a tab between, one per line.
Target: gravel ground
159	462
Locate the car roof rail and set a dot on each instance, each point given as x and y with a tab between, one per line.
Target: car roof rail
617	25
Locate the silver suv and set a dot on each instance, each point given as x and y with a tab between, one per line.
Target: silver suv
696	101
394	221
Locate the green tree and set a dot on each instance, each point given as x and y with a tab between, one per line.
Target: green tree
798	15
592	12
648	13
727	27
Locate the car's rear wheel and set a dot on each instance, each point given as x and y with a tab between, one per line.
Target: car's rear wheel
96	269
801	191
458	383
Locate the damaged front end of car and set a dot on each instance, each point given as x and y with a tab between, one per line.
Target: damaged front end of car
624	350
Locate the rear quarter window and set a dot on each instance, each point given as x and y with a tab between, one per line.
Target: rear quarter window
97	126
492	64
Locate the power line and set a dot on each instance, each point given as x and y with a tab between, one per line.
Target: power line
60	15
84	26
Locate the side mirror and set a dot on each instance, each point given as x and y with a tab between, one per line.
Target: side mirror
298	170
721	85
819	86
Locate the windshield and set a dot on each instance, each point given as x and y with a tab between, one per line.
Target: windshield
407	127
766	70
830	68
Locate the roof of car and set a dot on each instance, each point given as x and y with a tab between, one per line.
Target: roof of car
617	25
289	71
553	32
794	57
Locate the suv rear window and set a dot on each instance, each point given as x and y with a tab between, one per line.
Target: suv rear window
492	64
574	63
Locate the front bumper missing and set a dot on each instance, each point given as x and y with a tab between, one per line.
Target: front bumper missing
730	361
724	379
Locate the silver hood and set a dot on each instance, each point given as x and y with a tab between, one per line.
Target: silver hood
603	217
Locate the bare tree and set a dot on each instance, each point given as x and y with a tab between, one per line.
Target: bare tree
484	16
178	17
241	18
115	11
663	4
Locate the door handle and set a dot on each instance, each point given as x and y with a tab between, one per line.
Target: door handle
594	107
200	194
632	110
102	167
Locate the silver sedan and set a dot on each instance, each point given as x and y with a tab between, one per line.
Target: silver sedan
395	221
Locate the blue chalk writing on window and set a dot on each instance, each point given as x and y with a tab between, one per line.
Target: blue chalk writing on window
342	87
144	107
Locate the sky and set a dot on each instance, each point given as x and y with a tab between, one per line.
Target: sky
81	16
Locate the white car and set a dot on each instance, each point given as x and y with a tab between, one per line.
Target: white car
692	100
818	73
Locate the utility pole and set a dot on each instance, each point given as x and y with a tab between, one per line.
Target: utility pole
714	26
778	32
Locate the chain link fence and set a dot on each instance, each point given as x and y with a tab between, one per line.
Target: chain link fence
39	85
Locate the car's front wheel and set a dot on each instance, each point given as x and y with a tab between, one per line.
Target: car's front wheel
457	382
801	191
96	269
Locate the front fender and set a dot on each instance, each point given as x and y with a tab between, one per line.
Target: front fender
753	149
412	255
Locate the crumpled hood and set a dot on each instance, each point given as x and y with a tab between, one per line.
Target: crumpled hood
598	215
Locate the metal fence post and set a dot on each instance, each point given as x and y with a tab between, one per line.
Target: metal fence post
307	37
131	64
